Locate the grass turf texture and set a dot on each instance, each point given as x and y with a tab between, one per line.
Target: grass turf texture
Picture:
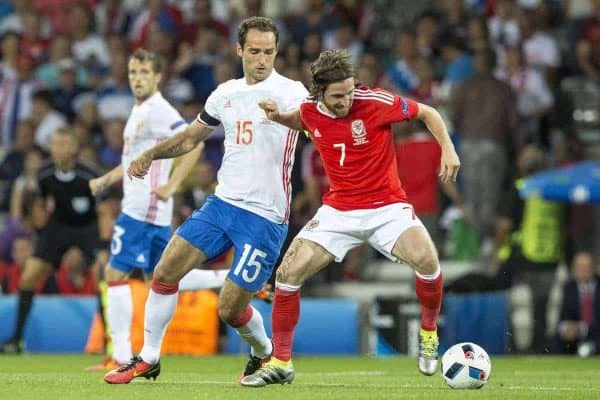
62	377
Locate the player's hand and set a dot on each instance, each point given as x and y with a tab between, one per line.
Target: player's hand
449	164
140	166
164	192
270	108
97	185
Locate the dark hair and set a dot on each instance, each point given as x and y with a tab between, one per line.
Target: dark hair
261	23
8	33
331	66
44	96
453	41
143	55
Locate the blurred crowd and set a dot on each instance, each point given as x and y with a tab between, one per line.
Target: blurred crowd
517	81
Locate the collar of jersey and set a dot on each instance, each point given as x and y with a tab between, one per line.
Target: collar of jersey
270	77
65	176
323	110
156	94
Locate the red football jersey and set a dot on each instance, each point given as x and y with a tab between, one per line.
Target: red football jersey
358	149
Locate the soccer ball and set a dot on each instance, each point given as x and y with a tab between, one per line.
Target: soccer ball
466	366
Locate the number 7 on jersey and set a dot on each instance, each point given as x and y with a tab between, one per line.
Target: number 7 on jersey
342	147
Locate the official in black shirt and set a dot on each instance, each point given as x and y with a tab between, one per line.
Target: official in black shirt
73	221
64	190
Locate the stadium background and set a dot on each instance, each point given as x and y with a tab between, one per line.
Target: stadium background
65	62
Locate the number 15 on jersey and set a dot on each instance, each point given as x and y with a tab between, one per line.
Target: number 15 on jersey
243	132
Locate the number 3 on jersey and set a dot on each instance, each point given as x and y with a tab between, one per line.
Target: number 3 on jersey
117	244
243	132
246	268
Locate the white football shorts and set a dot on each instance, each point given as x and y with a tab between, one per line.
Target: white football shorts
341	231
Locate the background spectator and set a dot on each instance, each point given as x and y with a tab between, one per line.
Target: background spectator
580	312
485	119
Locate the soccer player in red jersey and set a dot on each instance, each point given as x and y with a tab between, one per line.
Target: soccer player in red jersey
351	127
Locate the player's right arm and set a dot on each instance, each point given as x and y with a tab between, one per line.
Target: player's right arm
450	162
179	144
290	119
99	184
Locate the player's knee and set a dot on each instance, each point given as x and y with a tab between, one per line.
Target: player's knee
425	261
165	275
289	276
112	275
228	314
160	275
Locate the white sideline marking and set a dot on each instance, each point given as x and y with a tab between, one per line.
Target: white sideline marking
379	386
550	388
558	373
345	373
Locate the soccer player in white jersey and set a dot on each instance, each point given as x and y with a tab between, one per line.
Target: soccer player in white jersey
143	229
250	208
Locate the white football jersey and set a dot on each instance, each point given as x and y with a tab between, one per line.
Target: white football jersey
257	166
149	123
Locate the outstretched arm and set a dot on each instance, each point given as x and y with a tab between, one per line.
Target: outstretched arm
99	184
182	143
434	122
290	119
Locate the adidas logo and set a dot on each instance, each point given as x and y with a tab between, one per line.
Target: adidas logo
227	104
140	259
317	133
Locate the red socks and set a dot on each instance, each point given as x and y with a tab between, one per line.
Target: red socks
285	315
164	288
429	293
243	318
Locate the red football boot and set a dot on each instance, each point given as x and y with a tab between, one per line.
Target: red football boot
136	368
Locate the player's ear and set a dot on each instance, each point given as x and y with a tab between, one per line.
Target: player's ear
239	50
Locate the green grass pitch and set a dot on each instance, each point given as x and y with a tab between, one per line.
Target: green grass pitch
61	377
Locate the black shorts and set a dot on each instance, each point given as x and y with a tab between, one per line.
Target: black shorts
55	239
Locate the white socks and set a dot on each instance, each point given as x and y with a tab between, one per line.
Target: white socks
255	335
159	312
119	313
198	279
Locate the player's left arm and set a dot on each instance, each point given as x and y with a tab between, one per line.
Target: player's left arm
183	168
179	144
450	162
102	182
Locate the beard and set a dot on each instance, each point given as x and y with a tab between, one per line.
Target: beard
339	110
